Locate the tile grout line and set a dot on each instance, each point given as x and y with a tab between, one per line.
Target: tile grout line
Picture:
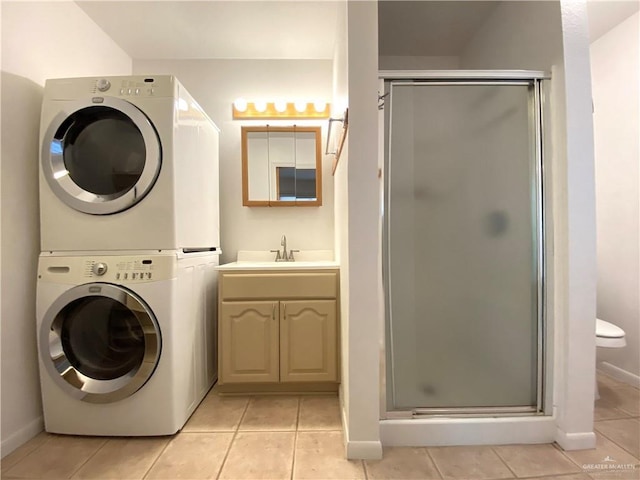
493	449
155	460
90	457
630	414
575	462
30	452
433	461
616	443
233	439
295	438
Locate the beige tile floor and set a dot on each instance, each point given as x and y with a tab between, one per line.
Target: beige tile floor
299	437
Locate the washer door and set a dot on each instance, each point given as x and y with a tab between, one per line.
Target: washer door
100	342
101	158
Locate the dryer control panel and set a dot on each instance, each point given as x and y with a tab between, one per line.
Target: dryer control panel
111	86
135	86
112	269
129	270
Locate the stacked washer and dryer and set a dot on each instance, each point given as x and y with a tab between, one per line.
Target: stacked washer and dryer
126	288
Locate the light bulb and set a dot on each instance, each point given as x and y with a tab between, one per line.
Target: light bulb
240	104
280	105
300	106
260	106
320	105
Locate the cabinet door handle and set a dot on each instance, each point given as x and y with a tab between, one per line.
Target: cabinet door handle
284	312
273	312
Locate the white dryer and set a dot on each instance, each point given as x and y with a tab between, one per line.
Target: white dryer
126	343
126	163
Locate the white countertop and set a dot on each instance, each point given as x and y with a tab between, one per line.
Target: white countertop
326	265
261	260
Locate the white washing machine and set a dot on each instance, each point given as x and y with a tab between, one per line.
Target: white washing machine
126	343
126	163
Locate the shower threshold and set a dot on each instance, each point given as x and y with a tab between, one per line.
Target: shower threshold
465	412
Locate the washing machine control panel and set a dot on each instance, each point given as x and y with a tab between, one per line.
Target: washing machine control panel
117	269
127	269
99	268
103	84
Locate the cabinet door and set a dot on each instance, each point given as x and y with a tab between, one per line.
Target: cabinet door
308	341
249	342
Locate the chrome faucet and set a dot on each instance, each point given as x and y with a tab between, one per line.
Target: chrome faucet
283	244
284	256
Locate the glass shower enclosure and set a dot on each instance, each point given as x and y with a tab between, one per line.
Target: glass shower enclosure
463	231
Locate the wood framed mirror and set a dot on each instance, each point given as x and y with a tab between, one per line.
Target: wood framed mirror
281	166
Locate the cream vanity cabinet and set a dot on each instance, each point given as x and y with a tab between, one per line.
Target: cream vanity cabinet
278	327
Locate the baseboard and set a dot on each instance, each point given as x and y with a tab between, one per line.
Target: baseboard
620	374
343	414
371	450
576	441
363	450
22	436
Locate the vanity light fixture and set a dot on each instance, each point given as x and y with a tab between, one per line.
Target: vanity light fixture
320	105
280	109
240	104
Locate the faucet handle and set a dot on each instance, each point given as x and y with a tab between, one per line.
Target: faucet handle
277	252
291	259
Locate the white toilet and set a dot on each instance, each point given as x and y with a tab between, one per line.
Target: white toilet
608	335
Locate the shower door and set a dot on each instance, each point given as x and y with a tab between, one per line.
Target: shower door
463	236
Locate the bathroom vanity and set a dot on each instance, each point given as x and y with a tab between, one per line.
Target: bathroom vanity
278	326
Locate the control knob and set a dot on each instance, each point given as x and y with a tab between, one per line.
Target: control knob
103	84
99	268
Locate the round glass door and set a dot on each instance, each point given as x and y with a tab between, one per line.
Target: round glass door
100	342
101	158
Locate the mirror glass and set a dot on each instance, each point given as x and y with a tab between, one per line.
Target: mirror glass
281	166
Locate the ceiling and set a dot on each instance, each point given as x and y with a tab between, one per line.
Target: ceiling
606	14
266	29
300	29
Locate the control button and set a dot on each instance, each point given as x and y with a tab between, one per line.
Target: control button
137	91
149	275
122	91
150	91
128	91
118	276
103	84
99	268
126	275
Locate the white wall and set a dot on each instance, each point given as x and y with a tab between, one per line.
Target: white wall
39	40
364	313
409	62
528	35
341	212
215	84
517	35
615	67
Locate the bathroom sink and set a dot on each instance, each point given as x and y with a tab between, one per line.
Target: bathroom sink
263	260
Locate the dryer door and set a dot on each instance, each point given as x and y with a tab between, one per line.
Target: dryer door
101	158
100	342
